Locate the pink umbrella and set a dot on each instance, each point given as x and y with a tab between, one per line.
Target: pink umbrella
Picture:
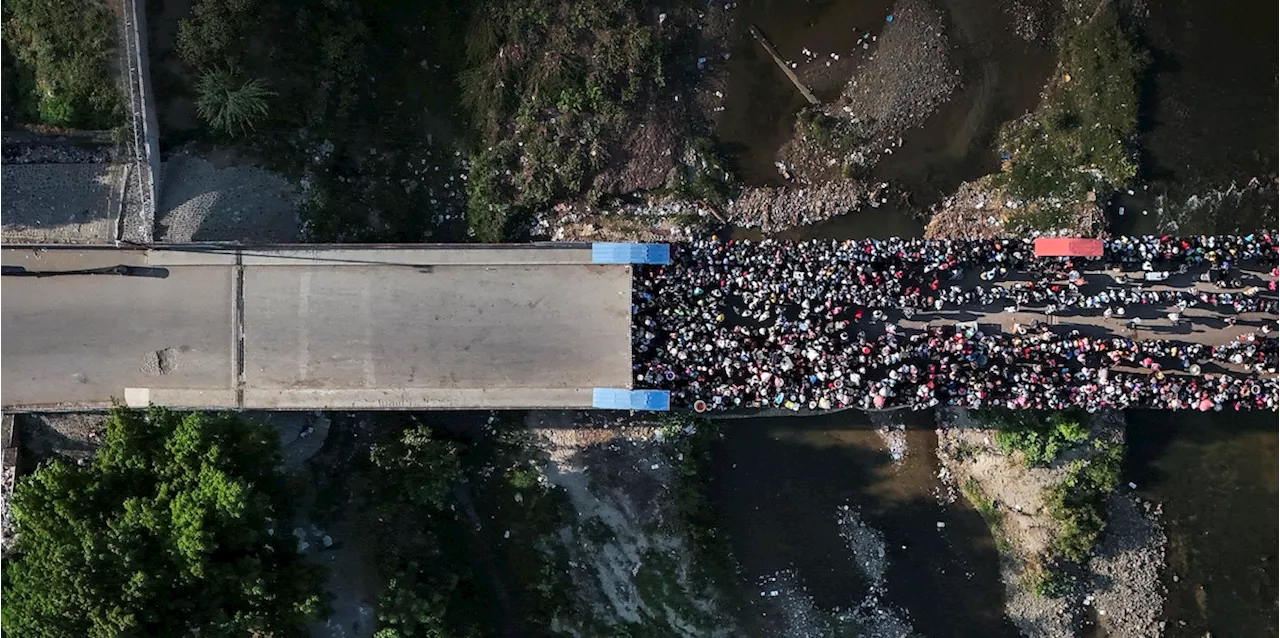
1206	405
878	401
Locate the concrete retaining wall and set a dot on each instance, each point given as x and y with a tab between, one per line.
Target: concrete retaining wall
146	131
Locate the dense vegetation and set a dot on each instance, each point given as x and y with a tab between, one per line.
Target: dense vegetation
1081	137
355	98
1040	436
430	502
1078	503
451	122
58	64
169	531
549	86
414	475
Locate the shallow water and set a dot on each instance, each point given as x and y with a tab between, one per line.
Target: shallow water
761	103
1215	474
776	488
1209	116
1002	79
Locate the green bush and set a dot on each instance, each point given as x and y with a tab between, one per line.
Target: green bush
1041	437
168	532
229	103
1077	504
68	50
214	34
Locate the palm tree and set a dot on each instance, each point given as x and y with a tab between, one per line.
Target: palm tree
228	103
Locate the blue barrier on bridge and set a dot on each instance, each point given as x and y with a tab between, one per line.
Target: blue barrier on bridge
617	399
615	253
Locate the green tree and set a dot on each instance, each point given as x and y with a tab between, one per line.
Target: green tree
420	467
230	104
168	532
410	495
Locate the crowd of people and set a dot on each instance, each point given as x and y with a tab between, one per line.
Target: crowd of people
764	324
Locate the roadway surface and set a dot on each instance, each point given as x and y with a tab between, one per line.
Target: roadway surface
314	328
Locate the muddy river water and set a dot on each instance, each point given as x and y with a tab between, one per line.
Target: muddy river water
779	485
1209	119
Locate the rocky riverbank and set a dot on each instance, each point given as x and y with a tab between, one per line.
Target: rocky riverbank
907	76
1122	582
628	550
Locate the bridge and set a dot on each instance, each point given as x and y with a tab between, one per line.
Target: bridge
396	327
314	327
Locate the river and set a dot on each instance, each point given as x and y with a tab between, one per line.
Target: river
1208	119
1215	475
779	484
954	143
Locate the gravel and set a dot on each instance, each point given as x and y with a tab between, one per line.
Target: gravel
55	154
774	209
790	607
1127	590
873	617
202	202
908	76
60	203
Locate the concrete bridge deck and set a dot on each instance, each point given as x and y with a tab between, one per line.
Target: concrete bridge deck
307	327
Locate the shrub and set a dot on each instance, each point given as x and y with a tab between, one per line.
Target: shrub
67	48
230	104
210	37
1040	437
1077	504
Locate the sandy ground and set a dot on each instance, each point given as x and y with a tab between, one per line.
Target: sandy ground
966	450
223	199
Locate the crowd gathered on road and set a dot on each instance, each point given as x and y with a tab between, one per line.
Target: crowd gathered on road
738	324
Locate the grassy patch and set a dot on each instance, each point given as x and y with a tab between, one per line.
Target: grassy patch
1041	437
62	64
1081	136
990	512
827	131
1078	504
